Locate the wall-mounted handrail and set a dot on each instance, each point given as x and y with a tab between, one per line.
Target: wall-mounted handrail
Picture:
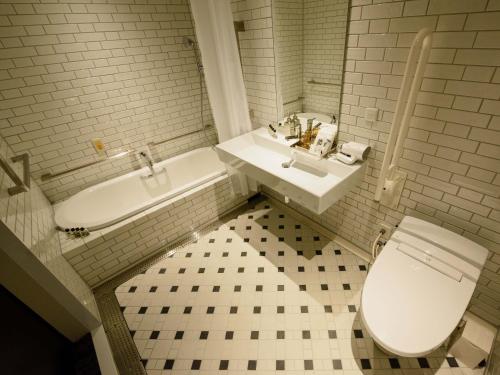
205	127
407	97
314	82
294	100
21	185
49	175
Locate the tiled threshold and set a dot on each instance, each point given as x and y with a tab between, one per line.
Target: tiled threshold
257	292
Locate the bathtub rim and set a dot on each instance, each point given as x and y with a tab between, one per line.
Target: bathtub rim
95	226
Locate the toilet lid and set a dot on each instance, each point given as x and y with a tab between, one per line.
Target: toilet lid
409	307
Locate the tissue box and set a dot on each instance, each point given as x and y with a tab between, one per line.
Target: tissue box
474	343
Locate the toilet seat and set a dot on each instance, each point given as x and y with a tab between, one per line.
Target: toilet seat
416	292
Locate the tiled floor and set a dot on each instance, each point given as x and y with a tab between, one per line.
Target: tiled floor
263	293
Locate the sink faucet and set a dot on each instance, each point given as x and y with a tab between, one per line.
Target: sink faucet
149	162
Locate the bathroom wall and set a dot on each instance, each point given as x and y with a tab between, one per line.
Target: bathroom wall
30	216
453	148
73	71
257	58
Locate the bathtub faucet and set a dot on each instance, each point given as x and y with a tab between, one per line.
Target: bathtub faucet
149	162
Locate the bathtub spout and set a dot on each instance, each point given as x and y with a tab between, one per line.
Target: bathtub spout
149	162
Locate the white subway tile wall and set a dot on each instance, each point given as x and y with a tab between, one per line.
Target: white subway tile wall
257	58
453	148
288	29
72	71
31	218
323	53
112	250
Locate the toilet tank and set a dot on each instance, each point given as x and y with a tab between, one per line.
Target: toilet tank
462	247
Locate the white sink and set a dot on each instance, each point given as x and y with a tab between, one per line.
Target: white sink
314	184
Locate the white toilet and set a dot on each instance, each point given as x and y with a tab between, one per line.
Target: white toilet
419	287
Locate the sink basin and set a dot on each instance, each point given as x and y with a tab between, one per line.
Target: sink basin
313	183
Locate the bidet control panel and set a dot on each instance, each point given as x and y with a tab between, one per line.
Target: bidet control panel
430	261
435	256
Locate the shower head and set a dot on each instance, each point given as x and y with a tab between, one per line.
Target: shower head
188	42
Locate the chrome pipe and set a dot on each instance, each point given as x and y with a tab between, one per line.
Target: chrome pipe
314	82
293	101
50	175
178	136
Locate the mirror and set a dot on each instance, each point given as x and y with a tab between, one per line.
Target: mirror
309	43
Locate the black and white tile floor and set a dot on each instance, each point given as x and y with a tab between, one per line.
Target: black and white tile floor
263	294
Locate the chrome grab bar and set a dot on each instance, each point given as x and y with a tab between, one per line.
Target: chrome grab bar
21	185
314	82
293	101
49	175
208	126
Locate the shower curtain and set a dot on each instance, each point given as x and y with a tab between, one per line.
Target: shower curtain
221	62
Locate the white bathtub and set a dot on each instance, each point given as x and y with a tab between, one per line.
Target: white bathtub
112	201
